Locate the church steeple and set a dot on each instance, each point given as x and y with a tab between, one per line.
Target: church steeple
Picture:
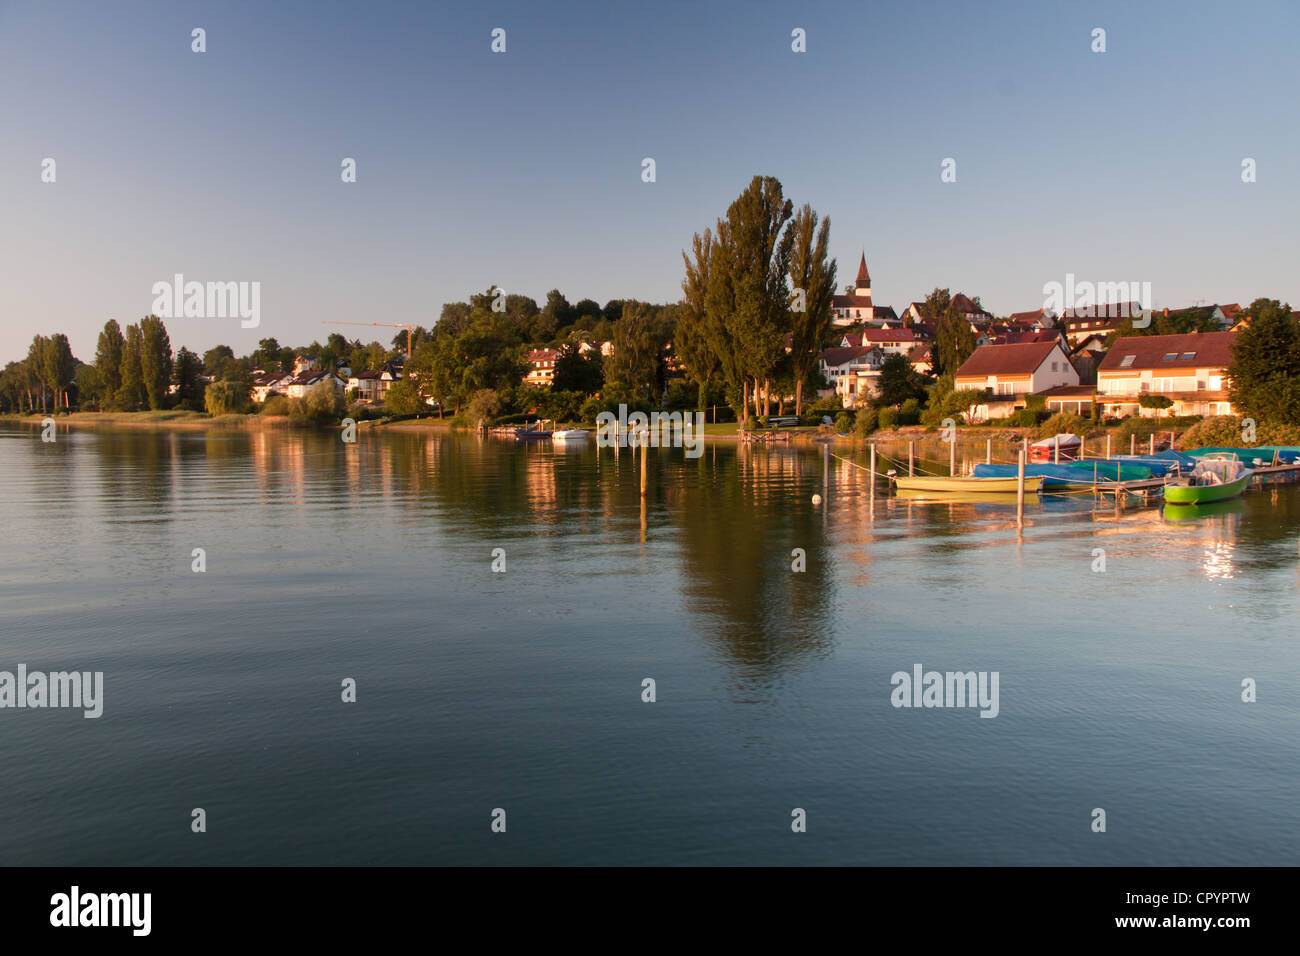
864	277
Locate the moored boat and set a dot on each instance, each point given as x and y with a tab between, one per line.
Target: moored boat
944	484
569	434
1215	478
1066	445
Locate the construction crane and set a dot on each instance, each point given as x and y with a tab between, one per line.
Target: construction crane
391	325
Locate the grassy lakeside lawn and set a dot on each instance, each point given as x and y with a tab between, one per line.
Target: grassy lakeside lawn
161	418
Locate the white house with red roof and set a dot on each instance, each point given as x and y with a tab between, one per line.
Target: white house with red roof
542	366
1011	373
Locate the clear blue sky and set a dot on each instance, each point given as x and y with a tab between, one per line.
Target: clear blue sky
524	168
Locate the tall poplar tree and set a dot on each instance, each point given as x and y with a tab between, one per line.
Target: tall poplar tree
155	359
812	276
108	356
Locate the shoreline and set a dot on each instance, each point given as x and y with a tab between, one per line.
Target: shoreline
199	421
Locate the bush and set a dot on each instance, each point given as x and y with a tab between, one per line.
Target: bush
910	413
323	401
1225	431
1025	418
483	407
887	419
275	405
404	399
843	423
865	423
227	398
1036	403
1061	422
1155	401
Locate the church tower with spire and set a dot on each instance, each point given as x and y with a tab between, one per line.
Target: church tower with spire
862	286
855	305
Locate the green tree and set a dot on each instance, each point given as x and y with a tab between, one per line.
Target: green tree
575	372
268	355
108	357
691	341
936	303
635	362
812	274
37	360
746	301
131	394
155	359
61	367
953	342
556	315
189	389
898	381
1264	375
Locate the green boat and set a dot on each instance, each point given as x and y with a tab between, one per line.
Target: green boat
1215	478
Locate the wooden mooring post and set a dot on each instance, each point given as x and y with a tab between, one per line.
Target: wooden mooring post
911	448
1020	490
871	495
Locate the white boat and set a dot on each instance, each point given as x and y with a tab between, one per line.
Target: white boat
569	434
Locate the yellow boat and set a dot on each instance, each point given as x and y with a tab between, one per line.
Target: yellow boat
945	485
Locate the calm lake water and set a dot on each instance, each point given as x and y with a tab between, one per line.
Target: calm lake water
522	690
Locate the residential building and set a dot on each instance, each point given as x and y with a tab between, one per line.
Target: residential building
1034	320
1010	373
266	384
297	386
1070	398
1190	370
542	366
969	311
898	341
1104	319
850	370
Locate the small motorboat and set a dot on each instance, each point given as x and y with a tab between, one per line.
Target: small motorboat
570	434
1215	478
534	432
1046	450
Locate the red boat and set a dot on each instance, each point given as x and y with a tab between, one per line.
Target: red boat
1045	450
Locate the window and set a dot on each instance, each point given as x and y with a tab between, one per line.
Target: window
1127	361
1170	356
1053	366
1188	356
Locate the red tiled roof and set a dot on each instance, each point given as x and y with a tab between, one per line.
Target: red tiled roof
1028	318
1069	391
962	303
1207	350
1020	359
840	356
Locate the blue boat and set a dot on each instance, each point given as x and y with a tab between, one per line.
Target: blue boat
1077	474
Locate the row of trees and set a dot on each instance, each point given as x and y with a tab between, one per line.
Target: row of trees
762	273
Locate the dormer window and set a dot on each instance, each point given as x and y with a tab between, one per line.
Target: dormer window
1188	356
1127	361
1171	356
